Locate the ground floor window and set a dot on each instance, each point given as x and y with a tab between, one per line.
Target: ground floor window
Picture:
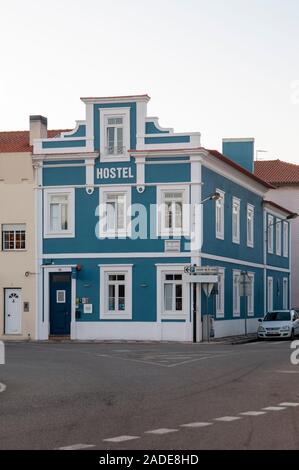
250	297
220	295
116	292
285	299
270	294
236	293
173	292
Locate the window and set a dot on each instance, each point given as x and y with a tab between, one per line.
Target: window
236	220
220	295
59	213
285	294
13	237
236	293
278	237
250	225
116	292
270	233
114	134
250	297
219	209
270	294
173	211
173	293
285	239
115	212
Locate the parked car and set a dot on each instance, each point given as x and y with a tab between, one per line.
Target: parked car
279	324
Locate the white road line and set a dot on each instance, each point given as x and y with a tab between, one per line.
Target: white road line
77	447
161	431
121	439
196	425
289	404
253	413
228	419
2	387
274	408
288	371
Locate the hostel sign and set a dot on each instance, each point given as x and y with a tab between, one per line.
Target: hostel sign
114	173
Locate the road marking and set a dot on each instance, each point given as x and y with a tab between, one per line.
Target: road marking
77	447
288	371
253	413
227	419
2	387
274	408
196	425
161	431
289	404
121	439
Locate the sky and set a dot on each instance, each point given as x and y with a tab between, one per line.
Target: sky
225	68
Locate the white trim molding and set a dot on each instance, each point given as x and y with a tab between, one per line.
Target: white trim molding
70	193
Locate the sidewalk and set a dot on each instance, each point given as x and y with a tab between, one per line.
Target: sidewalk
240	339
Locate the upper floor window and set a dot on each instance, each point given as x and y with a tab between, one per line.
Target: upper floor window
59	213
13	237
270	233
172	211
278	237
219	209
250	225
114	134
114	211
285	239
236	220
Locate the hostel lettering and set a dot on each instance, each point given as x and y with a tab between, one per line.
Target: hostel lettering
113	173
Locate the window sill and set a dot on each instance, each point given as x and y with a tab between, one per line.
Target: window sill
22	250
173	316
219	237
59	235
115	158
116	316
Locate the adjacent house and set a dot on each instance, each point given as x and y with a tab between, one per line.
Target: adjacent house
285	177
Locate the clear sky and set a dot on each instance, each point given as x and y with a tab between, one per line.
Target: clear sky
226	68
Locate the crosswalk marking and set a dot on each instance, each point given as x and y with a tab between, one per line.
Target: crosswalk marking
274	408
253	413
196	425
121	439
228	418
161	431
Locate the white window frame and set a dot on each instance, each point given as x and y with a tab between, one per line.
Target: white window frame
285	239
70	232
285	293
176	232
105	113
220	203
236	290
173	315
278	236
220	297
118	233
250	303
236	203
270	233
270	293
105	270
250	232
13	228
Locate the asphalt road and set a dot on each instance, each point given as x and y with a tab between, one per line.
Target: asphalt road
149	396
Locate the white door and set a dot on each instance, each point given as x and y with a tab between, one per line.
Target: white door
13	311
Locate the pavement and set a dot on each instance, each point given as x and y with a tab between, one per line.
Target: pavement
123	396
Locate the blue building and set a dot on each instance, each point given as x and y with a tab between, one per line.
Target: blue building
124	205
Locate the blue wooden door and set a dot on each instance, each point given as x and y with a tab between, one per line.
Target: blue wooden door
60	303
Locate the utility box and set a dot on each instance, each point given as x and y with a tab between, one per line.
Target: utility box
208	330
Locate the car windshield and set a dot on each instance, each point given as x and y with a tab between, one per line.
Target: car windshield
278	316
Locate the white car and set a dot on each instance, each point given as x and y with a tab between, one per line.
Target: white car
279	324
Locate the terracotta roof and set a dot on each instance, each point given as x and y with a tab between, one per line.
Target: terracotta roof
277	172
18	141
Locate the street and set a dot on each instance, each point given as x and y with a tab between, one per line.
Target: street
149	396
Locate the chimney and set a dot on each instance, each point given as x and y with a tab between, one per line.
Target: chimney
38	128
241	151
